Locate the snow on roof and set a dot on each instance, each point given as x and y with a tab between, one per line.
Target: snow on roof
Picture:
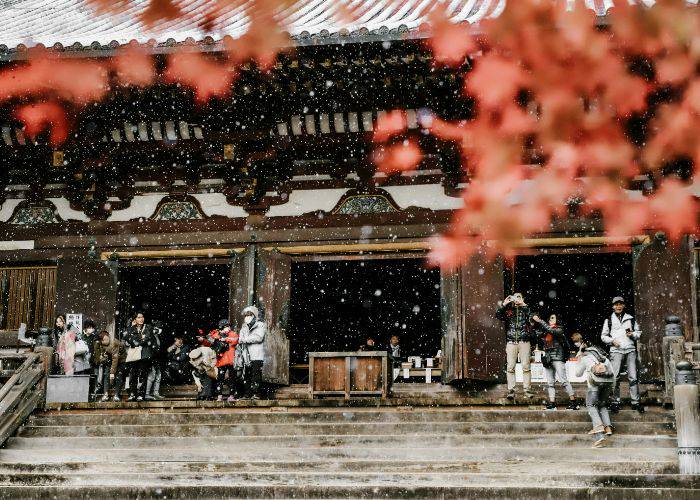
74	25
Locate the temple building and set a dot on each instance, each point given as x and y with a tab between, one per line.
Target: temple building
269	196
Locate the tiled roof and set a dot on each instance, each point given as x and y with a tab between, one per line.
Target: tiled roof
73	25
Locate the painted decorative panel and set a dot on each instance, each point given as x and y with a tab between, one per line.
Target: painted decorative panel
177	210
34	215
365	204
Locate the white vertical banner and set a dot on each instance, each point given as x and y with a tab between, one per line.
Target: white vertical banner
76	320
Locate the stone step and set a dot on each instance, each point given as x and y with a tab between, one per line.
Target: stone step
417	479
330	440
384	466
239	416
316	429
476	492
501	453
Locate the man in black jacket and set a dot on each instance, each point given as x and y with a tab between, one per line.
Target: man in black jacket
516	316
140	335
178	365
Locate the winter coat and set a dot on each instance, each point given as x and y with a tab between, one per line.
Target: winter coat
517	320
250	341
227	357
146	339
553	341
615	330
590	357
177	356
113	354
203	360
90	340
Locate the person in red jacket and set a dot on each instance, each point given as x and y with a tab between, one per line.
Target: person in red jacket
223	341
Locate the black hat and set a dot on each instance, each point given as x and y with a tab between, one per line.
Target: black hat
224	323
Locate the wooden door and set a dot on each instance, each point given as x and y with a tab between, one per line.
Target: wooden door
89	287
241	284
663	285
273	282
473	342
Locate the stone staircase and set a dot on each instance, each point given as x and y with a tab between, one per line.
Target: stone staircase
340	453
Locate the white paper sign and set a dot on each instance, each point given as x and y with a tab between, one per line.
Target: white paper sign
406	373
396	373
428	375
76	320
429	362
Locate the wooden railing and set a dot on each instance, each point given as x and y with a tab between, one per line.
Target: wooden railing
22	393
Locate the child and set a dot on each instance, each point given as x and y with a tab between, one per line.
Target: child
599	375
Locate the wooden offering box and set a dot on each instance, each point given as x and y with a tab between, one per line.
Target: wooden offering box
349	374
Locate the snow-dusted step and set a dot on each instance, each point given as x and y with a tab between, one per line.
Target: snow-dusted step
191	452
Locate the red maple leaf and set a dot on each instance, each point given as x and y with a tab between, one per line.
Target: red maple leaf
42	116
206	77
398	157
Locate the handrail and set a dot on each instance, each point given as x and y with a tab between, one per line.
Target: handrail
21	395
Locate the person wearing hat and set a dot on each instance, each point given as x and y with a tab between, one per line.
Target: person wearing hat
621	333
204	371
252	352
224	341
516	315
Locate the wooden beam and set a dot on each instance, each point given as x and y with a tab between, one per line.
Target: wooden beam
352	248
424	245
172	254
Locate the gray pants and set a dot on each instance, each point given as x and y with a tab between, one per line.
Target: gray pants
554	372
630	359
597	404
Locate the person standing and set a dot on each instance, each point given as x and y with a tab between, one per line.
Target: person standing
224	341
599	380
556	353
140	335
621	332
515	313
250	341
155	373
394	351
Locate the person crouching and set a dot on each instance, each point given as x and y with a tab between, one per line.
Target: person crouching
600	379
110	357
204	371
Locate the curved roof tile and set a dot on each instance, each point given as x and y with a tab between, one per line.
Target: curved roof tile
73	23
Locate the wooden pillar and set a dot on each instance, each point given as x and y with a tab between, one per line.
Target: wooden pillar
89	287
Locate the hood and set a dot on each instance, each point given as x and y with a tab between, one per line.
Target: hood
250	309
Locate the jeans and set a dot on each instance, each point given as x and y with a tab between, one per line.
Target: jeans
253	378
119	378
102	378
557	371
597	405
154	378
630	359
512	352
138	377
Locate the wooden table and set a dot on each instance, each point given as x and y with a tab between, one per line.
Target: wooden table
349	374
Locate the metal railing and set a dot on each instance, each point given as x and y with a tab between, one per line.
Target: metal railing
22	393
